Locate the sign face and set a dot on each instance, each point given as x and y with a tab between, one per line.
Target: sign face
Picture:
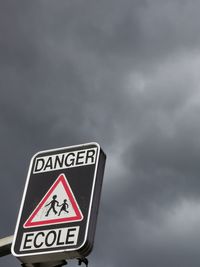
59	207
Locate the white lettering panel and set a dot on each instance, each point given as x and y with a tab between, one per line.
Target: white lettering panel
50	238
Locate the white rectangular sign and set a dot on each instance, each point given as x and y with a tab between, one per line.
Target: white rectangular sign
65	160
50	238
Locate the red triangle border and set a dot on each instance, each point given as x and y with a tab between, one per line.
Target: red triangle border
78	217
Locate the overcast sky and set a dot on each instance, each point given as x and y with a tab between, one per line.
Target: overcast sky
123	73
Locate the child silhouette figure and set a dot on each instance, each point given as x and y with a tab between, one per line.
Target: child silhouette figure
64	207
52	204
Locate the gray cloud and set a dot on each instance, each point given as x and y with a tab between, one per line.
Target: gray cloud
125	74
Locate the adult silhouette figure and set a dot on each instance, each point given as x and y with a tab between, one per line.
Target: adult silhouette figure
52	204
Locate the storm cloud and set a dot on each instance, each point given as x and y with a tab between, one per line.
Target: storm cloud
126	75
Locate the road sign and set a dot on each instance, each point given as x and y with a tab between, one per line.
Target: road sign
58	213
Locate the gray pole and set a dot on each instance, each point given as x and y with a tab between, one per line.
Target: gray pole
5	245
5	249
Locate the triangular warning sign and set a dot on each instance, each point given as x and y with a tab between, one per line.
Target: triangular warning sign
57	206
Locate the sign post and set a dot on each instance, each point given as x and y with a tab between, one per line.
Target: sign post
58	213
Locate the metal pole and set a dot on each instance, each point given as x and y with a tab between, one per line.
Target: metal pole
5	249
5	245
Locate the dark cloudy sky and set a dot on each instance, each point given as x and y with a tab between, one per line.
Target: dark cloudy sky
124	73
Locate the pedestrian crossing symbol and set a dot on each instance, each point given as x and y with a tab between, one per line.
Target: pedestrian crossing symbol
57	206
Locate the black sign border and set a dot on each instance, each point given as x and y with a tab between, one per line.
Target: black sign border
82	146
